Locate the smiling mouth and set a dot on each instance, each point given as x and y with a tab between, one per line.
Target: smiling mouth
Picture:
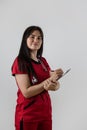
35	44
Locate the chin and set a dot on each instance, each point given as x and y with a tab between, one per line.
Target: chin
34	49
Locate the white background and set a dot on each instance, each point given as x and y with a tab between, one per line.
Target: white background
64	23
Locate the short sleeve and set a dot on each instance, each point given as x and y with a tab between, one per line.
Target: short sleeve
15	68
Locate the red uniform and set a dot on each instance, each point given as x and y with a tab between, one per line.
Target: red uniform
33	113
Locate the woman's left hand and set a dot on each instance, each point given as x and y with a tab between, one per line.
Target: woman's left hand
58	73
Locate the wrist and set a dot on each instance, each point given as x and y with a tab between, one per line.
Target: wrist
42	85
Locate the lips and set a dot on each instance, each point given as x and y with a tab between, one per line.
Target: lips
35	44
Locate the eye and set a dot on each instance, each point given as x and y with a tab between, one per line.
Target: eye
31	37
39	38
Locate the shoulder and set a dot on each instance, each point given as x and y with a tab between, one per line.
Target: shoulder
43	59
15	68
15	63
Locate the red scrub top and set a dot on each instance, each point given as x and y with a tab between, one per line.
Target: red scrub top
38	107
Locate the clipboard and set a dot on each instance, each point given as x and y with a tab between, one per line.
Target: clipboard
64	73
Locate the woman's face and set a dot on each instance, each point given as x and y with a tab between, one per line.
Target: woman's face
34	41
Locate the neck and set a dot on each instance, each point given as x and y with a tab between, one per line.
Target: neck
34	56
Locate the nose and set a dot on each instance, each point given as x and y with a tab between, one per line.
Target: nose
36	39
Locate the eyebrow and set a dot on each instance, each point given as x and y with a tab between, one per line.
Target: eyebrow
35	35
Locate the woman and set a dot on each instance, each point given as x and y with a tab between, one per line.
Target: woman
34	79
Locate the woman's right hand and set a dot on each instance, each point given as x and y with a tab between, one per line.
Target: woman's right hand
49	85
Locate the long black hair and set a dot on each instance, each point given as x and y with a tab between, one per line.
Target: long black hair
24	52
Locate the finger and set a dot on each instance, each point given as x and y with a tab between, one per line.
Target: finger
59	71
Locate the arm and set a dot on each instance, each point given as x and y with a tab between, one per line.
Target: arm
25	87
29	91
